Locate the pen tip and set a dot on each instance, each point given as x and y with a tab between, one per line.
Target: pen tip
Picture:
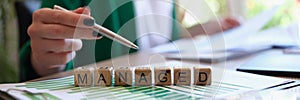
134	47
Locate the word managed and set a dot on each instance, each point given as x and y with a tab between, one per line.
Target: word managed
123	76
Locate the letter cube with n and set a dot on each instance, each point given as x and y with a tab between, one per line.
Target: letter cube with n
123	76
102	76
82	76
162	76
182	76
202	76
143	76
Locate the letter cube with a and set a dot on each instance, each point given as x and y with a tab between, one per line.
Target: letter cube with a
102	76
143	76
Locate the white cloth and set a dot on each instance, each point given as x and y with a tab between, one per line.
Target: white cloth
153	22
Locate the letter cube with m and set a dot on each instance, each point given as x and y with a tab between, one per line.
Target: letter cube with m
82	76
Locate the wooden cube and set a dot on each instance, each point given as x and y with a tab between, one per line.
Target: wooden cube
123	76
102	76
83	76
182	76
202	76
143	76
162	76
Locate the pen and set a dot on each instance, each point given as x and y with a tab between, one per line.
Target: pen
106	32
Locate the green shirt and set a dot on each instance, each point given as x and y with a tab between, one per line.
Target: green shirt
114	14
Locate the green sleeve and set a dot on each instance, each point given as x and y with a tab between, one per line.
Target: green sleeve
68	4
27	72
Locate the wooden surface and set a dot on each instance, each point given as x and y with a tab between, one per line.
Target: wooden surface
142	58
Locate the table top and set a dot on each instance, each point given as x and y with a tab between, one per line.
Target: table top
144	57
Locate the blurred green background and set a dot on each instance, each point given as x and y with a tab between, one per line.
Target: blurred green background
8	42
287	14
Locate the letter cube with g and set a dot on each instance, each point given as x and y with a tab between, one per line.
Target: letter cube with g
162	76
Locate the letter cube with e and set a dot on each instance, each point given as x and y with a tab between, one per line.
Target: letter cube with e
143	76
202	76
162	76
182	76
102	76
123	76
82	76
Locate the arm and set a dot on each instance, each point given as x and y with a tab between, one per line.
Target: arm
49	50
209	28
212	27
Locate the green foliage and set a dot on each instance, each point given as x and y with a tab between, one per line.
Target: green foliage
284	16
8	72
288	13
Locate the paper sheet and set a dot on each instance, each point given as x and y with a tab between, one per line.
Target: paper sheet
226	40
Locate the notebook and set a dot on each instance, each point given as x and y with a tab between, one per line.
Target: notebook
275	63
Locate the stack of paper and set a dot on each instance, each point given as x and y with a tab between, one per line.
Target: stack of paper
241	41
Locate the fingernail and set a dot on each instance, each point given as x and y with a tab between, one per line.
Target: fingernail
89	22
96	34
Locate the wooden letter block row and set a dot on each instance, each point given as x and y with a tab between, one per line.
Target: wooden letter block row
123	76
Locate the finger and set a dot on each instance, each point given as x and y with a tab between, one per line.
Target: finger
58	45
50	59
225	26
78	10
83	10
232	22
229	23
50	16
55	31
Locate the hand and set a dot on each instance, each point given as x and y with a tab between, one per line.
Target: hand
212	27
55	36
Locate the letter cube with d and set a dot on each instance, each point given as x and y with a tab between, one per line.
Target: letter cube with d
202	76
